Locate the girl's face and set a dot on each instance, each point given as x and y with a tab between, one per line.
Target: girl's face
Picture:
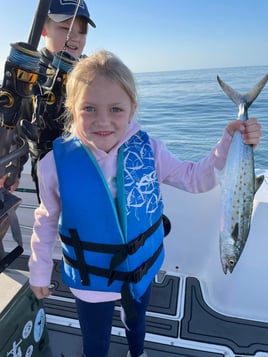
102	113
55	35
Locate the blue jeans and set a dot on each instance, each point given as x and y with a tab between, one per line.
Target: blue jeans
96	324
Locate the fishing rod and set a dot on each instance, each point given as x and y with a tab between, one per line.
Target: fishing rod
24	61
53	91
20	76
38	22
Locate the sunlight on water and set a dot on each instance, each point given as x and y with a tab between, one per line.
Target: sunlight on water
188	110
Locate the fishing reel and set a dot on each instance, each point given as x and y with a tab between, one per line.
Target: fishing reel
20	75
55	86
49	103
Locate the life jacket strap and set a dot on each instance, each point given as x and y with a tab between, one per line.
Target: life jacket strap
80	257
128	277
120	251
131	247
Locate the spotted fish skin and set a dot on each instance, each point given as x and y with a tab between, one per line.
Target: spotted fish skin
238	184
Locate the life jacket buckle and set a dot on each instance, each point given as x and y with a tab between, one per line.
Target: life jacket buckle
136	244
139	273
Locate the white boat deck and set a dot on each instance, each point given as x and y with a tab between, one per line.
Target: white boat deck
196	310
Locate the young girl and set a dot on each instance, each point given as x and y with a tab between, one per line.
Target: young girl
99	190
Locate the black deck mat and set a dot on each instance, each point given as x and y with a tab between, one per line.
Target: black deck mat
66	342
164	296
201	323
157	326
163	301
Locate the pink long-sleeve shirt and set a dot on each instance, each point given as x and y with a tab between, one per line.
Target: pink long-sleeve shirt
185	175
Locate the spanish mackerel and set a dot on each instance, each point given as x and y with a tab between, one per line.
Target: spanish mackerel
238	184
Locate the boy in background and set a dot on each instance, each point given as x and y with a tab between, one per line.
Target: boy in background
64	34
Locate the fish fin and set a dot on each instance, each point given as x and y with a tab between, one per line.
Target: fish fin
253	94
258	182
230	92
235	232
248	98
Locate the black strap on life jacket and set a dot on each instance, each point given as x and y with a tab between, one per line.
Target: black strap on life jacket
127	277
120	251
80	257
131	247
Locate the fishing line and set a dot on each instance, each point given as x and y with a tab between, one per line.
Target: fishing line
60	62
23	57
57	63
72	24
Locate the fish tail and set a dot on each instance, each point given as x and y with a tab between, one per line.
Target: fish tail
238	98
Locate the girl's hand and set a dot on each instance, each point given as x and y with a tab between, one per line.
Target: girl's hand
250	130
40	292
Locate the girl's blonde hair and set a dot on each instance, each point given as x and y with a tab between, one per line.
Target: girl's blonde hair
102	63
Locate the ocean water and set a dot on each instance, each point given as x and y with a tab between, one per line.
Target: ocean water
189	111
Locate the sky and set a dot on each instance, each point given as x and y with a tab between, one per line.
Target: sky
161	35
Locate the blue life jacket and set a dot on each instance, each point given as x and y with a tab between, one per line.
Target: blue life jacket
109	243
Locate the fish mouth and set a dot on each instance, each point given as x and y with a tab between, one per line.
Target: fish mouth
228	265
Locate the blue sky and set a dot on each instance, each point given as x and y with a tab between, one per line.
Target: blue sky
160	35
